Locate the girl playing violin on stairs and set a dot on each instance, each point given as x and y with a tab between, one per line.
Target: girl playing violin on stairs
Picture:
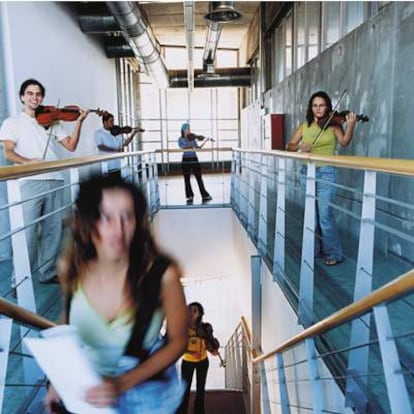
200	340
311	137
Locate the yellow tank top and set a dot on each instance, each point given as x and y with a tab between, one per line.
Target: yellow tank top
195	344
326	143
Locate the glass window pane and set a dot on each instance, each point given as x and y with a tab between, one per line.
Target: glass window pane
288	45
313	15
279	55
300	34
332	22
354	15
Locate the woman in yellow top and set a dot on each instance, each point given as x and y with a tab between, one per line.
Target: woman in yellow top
310	137
200	339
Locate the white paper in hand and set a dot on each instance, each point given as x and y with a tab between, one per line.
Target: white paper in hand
61	357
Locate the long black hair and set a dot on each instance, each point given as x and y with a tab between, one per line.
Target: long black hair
200	308
325	97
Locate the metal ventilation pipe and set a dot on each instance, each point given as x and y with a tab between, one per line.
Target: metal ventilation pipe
189	38
141	39
92	23
213	37
235	77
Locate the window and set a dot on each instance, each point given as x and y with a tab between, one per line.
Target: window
332	23
354	15
288	45
313	12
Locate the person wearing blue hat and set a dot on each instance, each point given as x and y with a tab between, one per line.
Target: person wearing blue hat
190	163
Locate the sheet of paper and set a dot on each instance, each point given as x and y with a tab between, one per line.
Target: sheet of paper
62	359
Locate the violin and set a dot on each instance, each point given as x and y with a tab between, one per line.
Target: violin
192	137
338	118
47	115
205	331
116	130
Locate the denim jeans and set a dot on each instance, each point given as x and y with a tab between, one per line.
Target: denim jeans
325	216
154	396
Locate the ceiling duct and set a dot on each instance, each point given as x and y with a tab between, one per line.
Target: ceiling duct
98	24
209	57
235	77
189	15
222	11
140	38
117	47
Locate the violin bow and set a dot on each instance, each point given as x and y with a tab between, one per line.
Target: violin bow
223	362
49	136
330	117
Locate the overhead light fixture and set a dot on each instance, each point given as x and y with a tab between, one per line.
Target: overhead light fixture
222	11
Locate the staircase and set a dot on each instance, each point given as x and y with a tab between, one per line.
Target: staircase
221	402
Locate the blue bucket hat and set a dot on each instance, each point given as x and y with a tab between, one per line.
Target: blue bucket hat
184	126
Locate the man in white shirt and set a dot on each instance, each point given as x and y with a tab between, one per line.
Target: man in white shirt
25	141
109	139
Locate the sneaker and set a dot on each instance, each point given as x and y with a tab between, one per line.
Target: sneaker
207	198
190	200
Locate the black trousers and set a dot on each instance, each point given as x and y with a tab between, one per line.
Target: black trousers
189	165
187	370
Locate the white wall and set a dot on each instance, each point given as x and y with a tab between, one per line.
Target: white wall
214	252
46	43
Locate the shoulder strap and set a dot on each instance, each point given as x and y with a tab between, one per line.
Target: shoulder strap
150	300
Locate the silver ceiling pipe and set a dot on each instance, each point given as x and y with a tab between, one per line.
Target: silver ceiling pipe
212	39
235	77
140	38
189	15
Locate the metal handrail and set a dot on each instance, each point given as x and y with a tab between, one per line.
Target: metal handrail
24	170
385	165
401	286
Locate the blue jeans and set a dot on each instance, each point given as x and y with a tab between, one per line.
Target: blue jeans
155	396
325	217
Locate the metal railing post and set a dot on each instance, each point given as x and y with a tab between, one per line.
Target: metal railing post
251	230
394	378
280	220
316	387
5	338
305	308
358	357
256	265
262	232
283	392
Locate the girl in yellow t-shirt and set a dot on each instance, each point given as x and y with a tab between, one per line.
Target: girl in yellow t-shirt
311	137
200	340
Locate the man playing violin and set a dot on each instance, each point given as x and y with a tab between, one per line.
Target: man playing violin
109	140
25	141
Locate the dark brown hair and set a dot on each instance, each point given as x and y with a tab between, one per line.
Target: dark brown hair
325	97
81	250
